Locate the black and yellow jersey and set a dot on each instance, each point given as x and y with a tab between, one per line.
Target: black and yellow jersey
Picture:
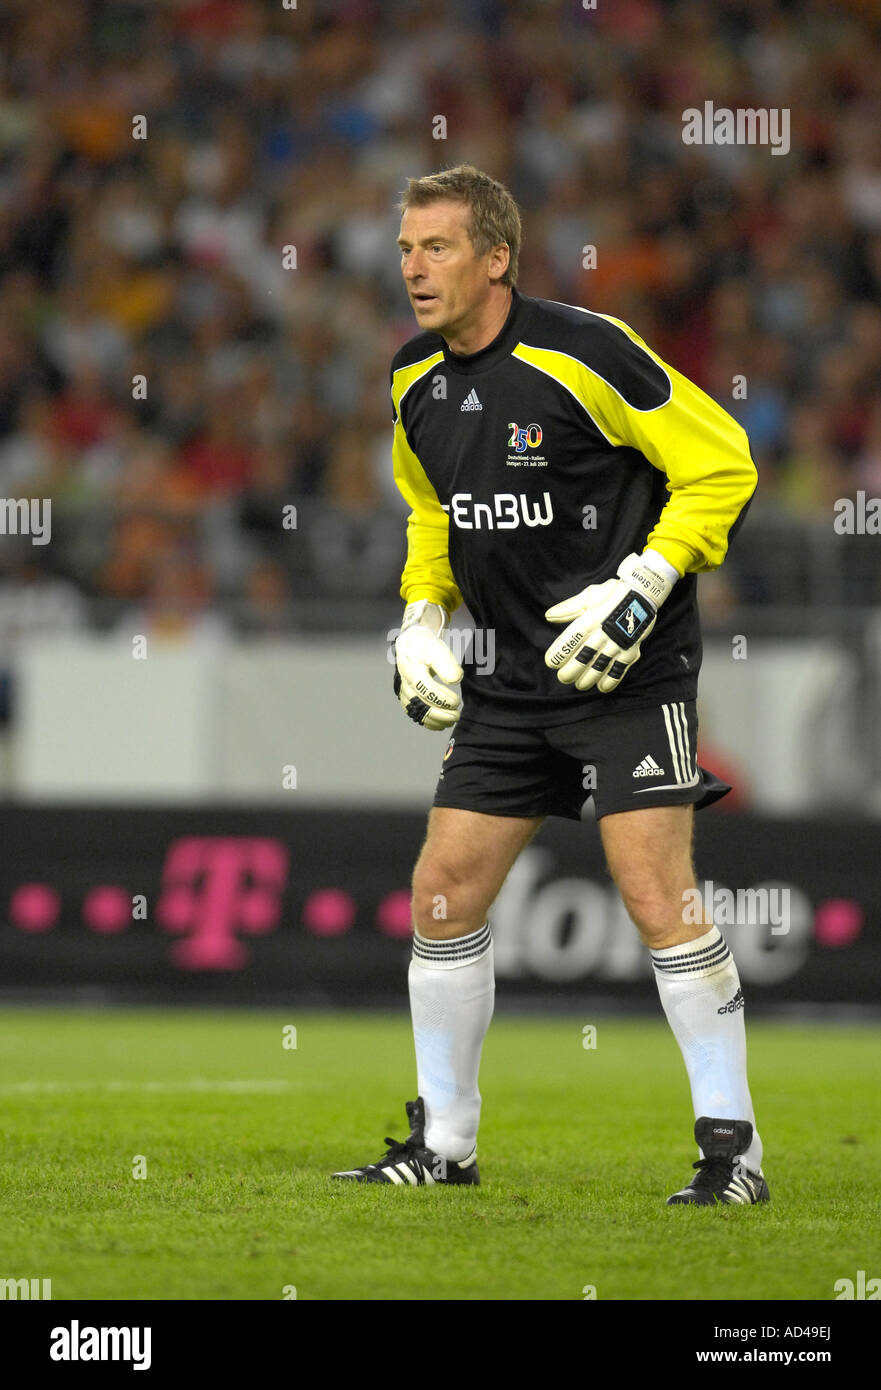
533	468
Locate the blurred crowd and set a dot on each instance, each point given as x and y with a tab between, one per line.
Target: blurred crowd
200	292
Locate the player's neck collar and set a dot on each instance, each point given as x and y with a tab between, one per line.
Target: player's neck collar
500	347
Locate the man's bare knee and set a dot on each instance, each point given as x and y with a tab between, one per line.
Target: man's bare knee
444	899
649	854
460	871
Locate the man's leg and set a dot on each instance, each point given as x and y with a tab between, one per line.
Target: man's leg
649	854
464	861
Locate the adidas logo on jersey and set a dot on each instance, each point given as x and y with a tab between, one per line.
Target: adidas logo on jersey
471	402
648	768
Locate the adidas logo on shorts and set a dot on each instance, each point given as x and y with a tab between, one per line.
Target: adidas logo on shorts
471	402
648	768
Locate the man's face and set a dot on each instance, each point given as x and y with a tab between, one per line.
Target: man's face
447	283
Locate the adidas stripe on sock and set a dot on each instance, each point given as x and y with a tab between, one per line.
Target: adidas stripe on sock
446	955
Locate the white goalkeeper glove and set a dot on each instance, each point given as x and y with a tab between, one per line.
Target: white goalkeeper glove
609	622
426	668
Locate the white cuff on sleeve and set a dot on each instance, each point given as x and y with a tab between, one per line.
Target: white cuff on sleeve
664	568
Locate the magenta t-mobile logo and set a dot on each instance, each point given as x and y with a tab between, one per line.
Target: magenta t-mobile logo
213	888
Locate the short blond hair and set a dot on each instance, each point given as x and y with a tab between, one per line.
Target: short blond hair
494	216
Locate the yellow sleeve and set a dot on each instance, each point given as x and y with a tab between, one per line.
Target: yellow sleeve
427	573
704	454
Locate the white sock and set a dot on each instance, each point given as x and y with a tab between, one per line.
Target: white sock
452	992
700	991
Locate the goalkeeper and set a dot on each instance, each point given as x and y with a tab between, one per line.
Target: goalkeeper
568	486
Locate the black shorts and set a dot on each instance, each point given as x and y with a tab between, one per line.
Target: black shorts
624	761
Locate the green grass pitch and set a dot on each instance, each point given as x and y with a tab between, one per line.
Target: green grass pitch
578	1150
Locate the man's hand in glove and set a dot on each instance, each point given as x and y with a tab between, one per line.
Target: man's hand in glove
607	623
426	668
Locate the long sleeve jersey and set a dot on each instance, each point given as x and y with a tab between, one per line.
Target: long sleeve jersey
532	469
